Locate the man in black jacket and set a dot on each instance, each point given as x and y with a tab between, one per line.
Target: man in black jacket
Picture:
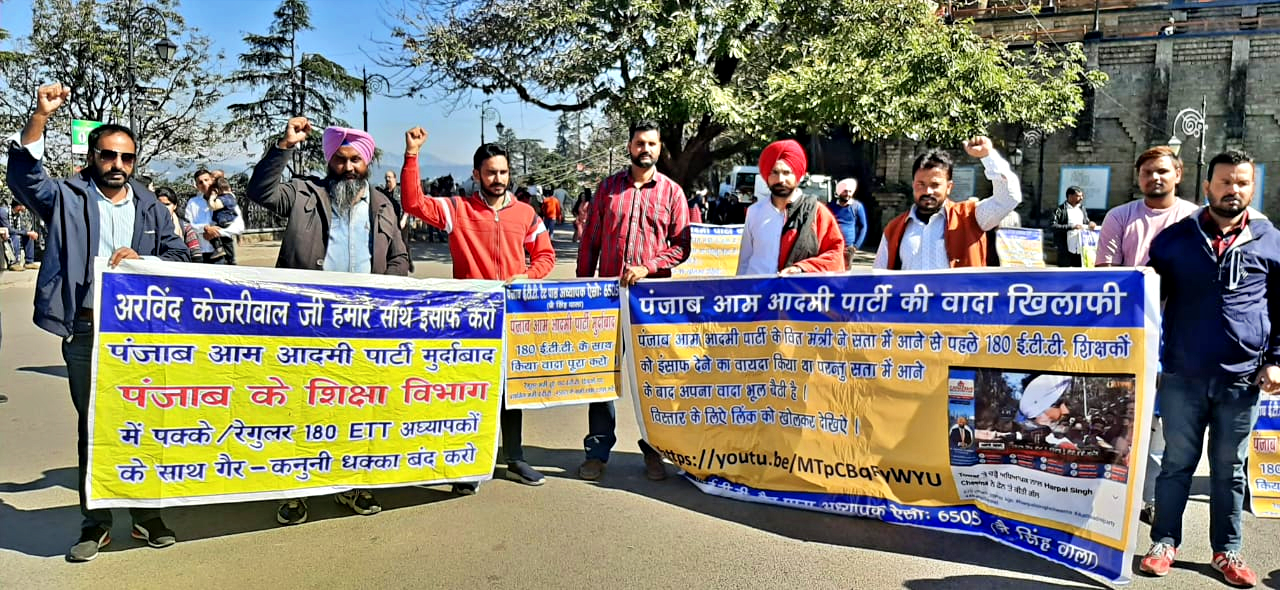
93	215
336	223
1069	219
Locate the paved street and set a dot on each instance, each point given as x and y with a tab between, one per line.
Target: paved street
622	532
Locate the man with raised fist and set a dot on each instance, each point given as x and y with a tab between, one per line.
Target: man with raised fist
101	213
336	223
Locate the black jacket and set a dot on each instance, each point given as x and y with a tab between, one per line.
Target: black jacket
305	202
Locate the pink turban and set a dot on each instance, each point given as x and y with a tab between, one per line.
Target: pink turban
787	150
847	184
336	137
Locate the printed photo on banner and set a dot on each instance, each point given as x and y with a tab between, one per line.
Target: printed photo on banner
1069	425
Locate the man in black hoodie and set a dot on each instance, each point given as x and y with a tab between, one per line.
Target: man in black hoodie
1219	272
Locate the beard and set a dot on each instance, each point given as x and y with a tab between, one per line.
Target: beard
927	206
1228	210
345	193
494	191
640	162
781	190
112	177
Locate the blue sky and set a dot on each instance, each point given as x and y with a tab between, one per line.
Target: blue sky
347	32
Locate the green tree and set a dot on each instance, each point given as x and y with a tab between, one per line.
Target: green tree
293	84
721	76
81	43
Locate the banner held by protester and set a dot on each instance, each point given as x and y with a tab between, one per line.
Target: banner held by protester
997	403
562	343
251	384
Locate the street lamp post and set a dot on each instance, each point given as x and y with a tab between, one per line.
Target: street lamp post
1035	137
1192	124
485	109
375	83
165	49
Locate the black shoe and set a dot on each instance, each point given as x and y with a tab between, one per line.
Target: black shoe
465	489
523	473
361	502
292	512
91	540
154	533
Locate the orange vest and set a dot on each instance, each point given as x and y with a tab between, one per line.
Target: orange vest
965	241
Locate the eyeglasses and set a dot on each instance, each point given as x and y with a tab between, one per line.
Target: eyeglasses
111	155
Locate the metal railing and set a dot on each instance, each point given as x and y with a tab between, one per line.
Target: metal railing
259	219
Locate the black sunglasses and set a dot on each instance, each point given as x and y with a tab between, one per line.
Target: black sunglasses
111	155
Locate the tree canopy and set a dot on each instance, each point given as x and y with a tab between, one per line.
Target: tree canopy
293	83
721	76
83	46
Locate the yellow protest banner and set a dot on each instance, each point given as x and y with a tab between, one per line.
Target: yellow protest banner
1004	404
246	384
713	251
562	342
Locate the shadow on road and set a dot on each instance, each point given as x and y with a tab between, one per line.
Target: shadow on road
64	477
975	581
49	532
626	473
59	371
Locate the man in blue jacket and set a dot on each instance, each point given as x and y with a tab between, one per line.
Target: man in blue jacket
851	216
98	214
1219	272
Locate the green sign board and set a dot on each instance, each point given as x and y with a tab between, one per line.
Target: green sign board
80	135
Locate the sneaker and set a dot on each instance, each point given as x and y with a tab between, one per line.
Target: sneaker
1148	513
91	540
32	265
154	533
523	473
359	501
1159	559
654	470
465	489
591	469
1234	570
292	512
15	267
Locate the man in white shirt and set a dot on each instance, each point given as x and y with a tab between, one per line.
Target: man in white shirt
201	217
939	233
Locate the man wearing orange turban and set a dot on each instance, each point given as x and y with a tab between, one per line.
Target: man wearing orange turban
789	232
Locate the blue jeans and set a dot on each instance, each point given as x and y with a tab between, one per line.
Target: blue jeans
77	351
1227	408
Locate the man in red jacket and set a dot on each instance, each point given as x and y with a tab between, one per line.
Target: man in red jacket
789	233
489	233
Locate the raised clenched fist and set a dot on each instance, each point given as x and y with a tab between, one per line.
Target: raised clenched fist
295	132
50	98
413	140
978	147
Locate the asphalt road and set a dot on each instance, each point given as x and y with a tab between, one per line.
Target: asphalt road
621	532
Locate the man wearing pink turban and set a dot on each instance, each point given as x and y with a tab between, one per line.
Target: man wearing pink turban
851	216
337	223
789	232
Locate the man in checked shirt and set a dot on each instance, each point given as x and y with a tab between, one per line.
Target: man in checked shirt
637	227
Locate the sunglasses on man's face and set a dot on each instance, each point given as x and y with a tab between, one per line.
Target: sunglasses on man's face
111	155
